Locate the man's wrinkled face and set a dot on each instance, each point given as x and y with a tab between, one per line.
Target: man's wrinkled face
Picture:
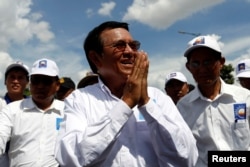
118	56
204	66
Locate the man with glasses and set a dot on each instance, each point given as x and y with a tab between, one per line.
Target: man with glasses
119	121
32	124
216	112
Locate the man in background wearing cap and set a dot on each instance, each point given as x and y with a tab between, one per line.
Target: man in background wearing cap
176	86
216	112
32	124
243	73
89	79
16	80
67	86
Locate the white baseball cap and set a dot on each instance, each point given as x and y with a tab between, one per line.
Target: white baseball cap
17	64
243	68
202	41
175	75
45	67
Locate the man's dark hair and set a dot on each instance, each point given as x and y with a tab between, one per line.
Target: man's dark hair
94	42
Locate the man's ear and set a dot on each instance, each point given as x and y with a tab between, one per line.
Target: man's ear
58	84
187	66
95	58
222	62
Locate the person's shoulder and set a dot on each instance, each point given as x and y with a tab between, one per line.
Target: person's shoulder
14	107
157	93
154	90
16	103
2	100
59	104
237	90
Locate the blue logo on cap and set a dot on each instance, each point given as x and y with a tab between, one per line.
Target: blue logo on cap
241	66
42	64
173	75
200	40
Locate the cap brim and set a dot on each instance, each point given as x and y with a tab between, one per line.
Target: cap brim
244	75
16	66
175	79
197	46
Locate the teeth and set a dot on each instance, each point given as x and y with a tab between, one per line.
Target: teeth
127	62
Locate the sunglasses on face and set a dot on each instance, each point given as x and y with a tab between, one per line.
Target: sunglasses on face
121	45
45	80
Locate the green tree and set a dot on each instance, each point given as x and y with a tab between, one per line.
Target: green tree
26	92
226	73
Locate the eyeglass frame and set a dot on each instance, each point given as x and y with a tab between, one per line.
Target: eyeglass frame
121	45
207	63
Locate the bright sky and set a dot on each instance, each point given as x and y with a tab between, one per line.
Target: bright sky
56	29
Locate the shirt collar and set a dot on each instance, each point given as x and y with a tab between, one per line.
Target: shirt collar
57	106
8	100
224	90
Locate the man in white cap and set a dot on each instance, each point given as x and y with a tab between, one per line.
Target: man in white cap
243	73
216	112
32	124
16	80
176	86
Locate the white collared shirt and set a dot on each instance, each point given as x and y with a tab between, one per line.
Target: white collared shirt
101	130
31	131
4	159
218	124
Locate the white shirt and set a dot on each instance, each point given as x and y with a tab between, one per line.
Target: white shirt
213	122
4	160
31	131
2	103
101	130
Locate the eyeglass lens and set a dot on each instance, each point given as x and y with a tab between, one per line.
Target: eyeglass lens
206	63
121	45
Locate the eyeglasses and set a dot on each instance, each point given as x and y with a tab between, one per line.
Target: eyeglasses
206	63
121	45
47	81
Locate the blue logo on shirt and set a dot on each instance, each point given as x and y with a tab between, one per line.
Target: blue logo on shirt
240	111
58	121
141	118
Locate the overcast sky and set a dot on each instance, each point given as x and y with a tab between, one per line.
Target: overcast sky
55	29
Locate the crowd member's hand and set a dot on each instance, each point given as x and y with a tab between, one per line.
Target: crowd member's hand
135	90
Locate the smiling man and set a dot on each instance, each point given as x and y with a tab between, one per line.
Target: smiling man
119	121
16	80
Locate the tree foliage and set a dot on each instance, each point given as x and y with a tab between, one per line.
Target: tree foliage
226	73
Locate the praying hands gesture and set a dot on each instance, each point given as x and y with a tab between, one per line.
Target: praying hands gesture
135	90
